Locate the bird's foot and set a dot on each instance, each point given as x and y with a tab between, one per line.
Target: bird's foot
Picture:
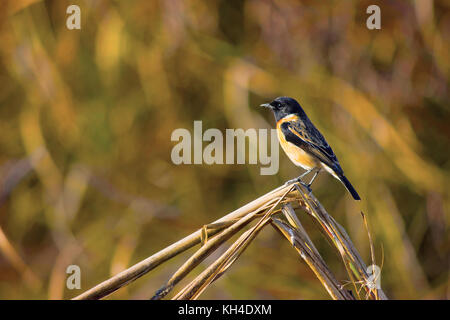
298	180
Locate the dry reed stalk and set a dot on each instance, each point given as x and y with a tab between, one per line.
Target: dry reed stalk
213	272
204	252
141	268
299	238
234	222
356	268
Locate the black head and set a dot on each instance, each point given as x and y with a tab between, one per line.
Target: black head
284	106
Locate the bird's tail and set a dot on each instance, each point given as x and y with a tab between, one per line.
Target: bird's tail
349	187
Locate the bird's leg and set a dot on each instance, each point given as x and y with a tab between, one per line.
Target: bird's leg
299	178
315	175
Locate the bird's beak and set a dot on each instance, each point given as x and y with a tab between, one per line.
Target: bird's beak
265	105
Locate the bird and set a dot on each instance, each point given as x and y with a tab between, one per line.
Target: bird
304	144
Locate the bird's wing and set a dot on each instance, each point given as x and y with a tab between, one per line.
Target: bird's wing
306	136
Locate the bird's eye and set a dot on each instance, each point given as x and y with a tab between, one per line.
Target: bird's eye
276	104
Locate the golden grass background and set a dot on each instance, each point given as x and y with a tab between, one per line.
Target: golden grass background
86	118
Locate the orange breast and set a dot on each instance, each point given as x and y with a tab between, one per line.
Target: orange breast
297	155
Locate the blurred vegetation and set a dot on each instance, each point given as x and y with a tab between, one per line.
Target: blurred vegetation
86	118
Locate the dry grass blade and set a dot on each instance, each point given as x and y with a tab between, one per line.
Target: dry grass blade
366	224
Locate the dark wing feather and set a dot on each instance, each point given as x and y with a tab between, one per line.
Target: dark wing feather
304	135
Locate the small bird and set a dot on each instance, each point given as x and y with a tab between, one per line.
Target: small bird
304	144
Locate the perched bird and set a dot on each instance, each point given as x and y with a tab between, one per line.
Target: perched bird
303	143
